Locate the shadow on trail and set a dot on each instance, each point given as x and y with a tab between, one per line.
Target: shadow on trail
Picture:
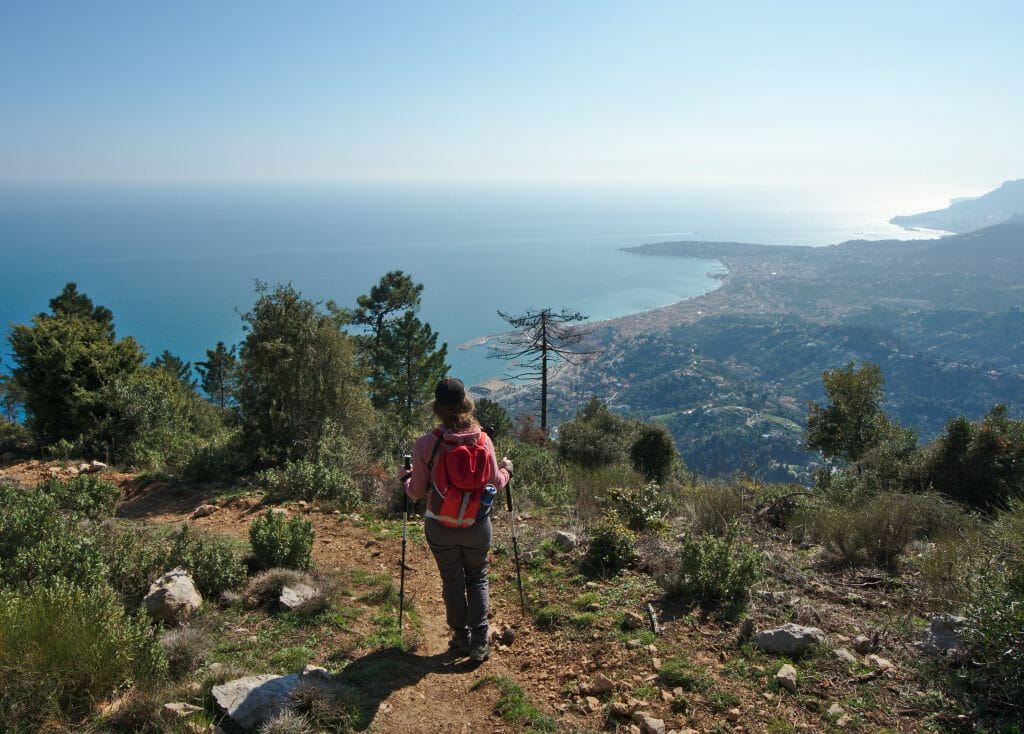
369	680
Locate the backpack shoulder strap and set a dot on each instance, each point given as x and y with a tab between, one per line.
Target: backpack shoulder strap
433	454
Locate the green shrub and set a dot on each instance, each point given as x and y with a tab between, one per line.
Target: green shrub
875	530
596	437
85	495
612	547
994	639
64	551
134	557
641	509
715	506
210	559
978	464
540	476
219	459
714	571
38	543
311	480
682	674
653	453
63	647
551	616
281	543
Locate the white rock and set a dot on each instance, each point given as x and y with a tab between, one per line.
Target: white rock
295	595
173	597
835	710
789	639
786	677
172	711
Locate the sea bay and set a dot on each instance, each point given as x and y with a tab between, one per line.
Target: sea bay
177	264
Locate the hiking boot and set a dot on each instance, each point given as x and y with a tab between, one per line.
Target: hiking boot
460	642
479	653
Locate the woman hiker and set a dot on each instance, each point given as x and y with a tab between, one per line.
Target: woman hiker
456	464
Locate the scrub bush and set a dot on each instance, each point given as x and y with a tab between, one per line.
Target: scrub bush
63	647
281	543
713	571
612	547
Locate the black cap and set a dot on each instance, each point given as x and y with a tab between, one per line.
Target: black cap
450	391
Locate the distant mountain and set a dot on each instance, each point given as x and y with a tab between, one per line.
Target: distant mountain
967	215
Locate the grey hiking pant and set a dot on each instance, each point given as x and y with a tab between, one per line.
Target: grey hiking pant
461	555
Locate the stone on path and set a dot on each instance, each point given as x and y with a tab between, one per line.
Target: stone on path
789	639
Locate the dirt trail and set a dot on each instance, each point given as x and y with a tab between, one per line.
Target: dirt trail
432	692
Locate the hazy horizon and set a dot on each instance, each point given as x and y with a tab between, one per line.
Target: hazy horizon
909	97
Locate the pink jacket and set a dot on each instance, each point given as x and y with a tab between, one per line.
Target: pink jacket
417	485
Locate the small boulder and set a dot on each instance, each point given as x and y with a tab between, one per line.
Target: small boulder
591	704
602	685
786	678
865	645
648	724
566	540
252	700
844	655
173	597
876	661
835	711
789	639
203	511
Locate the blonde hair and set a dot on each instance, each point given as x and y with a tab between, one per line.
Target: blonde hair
458	416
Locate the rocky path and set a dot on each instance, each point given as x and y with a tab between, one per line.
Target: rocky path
428	689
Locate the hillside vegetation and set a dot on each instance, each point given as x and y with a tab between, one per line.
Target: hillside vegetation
730	372
654	597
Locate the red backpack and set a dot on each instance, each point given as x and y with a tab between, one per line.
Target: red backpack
457	480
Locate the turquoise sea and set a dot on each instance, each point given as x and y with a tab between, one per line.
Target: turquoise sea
177	263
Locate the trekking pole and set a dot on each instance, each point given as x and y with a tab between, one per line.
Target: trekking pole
515	545
405	533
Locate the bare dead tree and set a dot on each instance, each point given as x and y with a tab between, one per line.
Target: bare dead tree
539	340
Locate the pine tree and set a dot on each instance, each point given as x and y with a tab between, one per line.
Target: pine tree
218	374
176	367
399	351
540	340
410	365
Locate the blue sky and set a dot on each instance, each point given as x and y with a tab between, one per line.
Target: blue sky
630	92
